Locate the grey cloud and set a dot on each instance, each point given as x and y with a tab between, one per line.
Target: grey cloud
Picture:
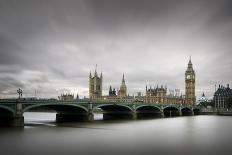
56	43
8	84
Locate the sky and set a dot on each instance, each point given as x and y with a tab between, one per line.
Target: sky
50	46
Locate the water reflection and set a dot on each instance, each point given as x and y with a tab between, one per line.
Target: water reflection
179	135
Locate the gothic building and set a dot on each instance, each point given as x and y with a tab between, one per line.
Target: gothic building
122	93
112	92
221	96
66	97
190	98
156	95
95	86
153	95
159	94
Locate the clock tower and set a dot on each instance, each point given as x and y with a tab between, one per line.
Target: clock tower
190	97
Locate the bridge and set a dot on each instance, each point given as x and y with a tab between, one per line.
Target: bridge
11	111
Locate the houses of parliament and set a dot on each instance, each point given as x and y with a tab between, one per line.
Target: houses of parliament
156	94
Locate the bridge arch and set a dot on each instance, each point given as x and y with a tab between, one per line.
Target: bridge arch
171	111
115	111
58	107
64	112
186	111
148	111
197	111
149	106
113	107
6	115
6	110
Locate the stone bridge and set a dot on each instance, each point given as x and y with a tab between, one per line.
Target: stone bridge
11	111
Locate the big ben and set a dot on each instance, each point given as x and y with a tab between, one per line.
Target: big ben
190	97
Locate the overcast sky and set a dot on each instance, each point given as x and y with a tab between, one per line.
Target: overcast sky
51	45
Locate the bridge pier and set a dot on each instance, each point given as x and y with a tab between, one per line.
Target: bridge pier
134	115
18	121
162	112
192	112
180	112
90	117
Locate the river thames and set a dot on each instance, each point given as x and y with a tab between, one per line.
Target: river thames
178	135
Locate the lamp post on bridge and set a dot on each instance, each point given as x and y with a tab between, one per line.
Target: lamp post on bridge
20	92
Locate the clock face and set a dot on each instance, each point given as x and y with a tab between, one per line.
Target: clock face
188	77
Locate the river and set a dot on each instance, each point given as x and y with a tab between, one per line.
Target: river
178	135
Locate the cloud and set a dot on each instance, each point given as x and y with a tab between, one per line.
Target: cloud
51	46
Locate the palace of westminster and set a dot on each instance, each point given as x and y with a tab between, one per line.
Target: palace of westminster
157	94
153	95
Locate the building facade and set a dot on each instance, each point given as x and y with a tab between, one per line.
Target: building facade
190	98
122	93
222	96
66	97
156	95
95	86
153	95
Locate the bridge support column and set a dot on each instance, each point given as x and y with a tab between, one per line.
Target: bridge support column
18	119
162	112
134	115
180	113
192	111
90	117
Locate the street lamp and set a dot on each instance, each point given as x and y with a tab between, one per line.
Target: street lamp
20	92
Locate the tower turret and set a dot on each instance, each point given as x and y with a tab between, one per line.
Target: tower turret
190	97
95	85
123	89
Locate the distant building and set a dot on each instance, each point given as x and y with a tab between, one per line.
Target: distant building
95	86
112	92
221	96
153	95
122	93
203	98
190	98
156	95
66	97
159	95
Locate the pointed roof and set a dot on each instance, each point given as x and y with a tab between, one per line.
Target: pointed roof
110	88
95	73
190	65
190	62
123	79
203	95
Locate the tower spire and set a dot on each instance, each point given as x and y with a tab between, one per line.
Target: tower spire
123	79
190	60
95	73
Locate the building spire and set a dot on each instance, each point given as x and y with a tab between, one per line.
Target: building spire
123	79
190	61
95	73
203	95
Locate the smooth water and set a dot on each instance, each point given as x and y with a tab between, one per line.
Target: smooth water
179	135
